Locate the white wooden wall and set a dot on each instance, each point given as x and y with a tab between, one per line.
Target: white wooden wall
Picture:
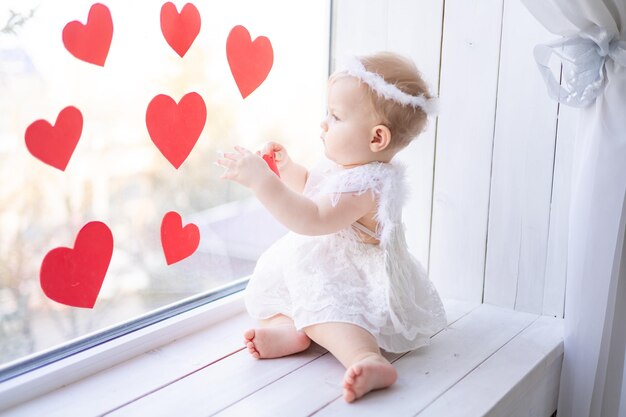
491	177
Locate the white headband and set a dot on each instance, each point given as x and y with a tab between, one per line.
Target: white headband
355	68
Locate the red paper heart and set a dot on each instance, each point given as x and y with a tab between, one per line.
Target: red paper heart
175	128
74	276
54	145
178	242
250	62
180	30
271	162
90	42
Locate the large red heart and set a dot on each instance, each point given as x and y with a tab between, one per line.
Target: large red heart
175	128
90	42
250	62
55	145
74	276
180	30
178	242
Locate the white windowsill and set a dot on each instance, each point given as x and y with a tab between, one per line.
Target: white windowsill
66	371
489	360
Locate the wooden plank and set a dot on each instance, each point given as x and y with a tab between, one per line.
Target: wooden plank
456	309
541	399
41	381
500	384
216	387
427	372
120	384
556	261
238	376
521	183
407	22
471	44
357	29
319	382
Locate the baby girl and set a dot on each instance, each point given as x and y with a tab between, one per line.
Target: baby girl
343	276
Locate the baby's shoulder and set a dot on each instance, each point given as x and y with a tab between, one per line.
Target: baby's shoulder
377	176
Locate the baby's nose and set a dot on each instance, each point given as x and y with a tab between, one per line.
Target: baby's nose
324	125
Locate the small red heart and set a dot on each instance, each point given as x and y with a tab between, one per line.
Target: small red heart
90	42
178	242
180	30
54	145
175	128
74	276
271	162
250	62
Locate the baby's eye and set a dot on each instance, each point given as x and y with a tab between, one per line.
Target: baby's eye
334	117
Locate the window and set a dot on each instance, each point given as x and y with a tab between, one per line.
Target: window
117	175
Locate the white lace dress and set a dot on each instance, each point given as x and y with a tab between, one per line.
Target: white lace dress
338	278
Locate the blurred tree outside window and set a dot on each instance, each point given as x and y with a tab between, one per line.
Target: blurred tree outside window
116	174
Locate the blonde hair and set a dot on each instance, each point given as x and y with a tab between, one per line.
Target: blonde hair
404	122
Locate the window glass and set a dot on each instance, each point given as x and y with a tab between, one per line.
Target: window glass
116	174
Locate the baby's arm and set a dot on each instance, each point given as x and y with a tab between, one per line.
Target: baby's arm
308	217
292	174
298	213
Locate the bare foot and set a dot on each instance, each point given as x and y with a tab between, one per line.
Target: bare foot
275	341
370	373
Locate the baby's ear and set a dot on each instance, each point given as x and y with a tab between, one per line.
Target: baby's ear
381	138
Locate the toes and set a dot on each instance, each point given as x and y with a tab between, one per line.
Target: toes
349	378
349	395
252	349
254	353
353	373
249	334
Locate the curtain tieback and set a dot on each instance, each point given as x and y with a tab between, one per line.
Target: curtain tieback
583	57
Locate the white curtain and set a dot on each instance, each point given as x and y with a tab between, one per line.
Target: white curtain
592	50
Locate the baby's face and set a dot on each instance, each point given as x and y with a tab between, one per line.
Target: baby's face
347	127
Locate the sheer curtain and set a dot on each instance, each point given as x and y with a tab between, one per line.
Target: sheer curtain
592	50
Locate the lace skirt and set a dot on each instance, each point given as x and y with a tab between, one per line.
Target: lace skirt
333	278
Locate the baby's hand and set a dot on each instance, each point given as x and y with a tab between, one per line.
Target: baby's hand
281	157
244	167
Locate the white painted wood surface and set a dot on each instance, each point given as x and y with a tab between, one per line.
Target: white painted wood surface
210	373
429	372
414	29
81	365
469	73
239	376
318	384
521	178
357	29
556	260
213	388
491	388
145	372
155	369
